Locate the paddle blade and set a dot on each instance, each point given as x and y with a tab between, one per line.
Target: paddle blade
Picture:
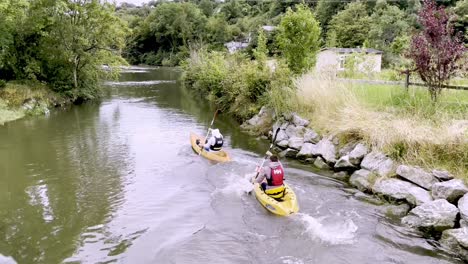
275	135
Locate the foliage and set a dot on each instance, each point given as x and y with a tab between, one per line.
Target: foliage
233	82
461	23
325	11
388	28
299	38
351	25
261	51
436	50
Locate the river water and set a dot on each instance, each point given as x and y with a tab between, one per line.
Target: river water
116	181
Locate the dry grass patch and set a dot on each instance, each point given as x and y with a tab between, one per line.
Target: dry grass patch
406	126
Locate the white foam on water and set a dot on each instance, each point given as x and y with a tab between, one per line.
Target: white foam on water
291	260
132	83
236	185
331	233
7	260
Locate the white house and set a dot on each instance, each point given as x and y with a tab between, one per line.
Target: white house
334	59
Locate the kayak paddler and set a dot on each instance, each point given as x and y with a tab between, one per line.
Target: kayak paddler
271	177
214	143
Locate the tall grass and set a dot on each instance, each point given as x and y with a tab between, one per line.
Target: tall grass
407	126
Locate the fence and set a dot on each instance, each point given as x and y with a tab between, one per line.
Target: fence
408	83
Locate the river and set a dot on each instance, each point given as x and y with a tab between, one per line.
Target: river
116	181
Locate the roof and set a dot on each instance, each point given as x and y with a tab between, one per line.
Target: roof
352	50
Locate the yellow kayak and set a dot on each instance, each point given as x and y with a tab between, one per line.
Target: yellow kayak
284	206
219	156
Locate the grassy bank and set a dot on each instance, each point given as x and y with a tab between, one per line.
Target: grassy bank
405	125
18	100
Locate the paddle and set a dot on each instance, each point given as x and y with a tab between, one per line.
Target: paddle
209	128
266	155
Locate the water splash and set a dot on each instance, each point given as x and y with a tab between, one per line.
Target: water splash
291	260
7	260
331	233
237	185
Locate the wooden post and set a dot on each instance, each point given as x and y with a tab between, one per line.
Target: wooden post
407	80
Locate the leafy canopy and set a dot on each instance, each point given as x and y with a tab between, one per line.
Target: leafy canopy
299	38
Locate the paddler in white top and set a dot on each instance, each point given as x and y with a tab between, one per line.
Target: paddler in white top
214	143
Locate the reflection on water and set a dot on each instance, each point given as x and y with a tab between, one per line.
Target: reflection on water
117	181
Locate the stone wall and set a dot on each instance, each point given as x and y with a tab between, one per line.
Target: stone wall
432	202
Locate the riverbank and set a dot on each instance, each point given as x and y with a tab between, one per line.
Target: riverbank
18	100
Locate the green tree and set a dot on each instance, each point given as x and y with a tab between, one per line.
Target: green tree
299	38
325	11
461	23
84	35
261	51
207	7
388	23
351	25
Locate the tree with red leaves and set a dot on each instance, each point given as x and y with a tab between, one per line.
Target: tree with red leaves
437	48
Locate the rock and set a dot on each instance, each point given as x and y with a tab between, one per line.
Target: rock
367	198
397	210
401	190
362	179
263	118
320	163
463	223
417	176
341	176
463	207
456	240
449	190
378	163
295	131
281	137
309	160
442	175
299	121
288	153
436	215
310	136
350	190
346	149
295	143
357	154
306	151
326	150
343	163
283	144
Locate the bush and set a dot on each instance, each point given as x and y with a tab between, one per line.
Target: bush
234	82
2	84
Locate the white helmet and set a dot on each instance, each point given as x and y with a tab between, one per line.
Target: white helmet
216	133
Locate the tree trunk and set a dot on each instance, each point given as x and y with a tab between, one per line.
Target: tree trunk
75	73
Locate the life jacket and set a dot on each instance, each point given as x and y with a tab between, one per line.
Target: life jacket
276	176
218	144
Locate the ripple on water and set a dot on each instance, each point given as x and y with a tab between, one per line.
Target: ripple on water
133	83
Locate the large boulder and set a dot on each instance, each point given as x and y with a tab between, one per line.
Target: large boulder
417	176
295	143
263	118
434	216
283	143
294	131
344	164
456	240
449	190
346	149
378	163
311	136
321	164
299	121
401	190
362	179
7	260
325	149
288	153
306	151
463	207
368	198
357	154
442	175
399	210
281	136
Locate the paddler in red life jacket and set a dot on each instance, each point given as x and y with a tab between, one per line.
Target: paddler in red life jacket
214	143
273	173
